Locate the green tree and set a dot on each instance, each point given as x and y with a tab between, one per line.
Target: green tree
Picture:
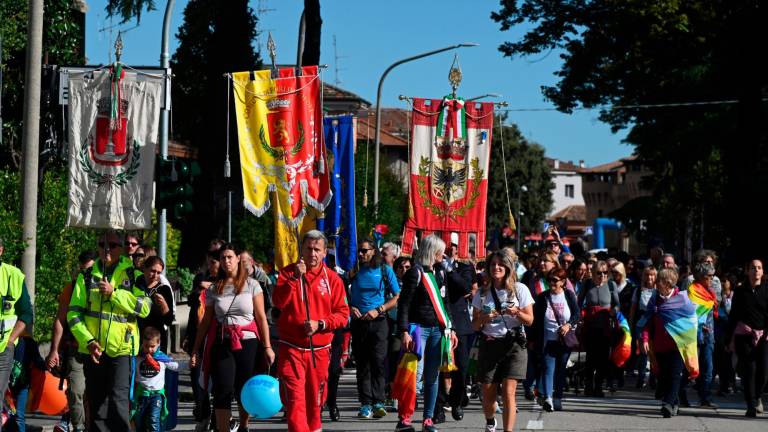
636	52
59	246
393	198
62	44
525	166
216	37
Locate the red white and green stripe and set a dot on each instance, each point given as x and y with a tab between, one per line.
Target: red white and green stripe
452	117
433	291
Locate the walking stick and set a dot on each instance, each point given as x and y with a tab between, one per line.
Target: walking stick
306	308
303	282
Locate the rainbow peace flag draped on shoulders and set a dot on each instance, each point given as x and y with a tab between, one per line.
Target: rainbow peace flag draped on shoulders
279	123
623	349
681	322
704	300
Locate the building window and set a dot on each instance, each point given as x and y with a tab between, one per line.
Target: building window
569	191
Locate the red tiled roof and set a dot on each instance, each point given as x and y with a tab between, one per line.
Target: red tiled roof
394	126
606	168
573	213
563	165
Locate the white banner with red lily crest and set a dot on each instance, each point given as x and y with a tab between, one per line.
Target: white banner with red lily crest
113	131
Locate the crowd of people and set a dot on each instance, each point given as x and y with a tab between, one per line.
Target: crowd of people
477	329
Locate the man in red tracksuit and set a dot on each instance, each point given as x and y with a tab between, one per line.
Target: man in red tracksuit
302	384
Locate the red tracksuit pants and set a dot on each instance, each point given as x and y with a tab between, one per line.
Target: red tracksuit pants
302	386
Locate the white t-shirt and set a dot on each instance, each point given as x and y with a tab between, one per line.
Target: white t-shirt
234	310
550	321
497	327
148	377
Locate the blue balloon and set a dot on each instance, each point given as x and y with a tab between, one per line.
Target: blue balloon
261	396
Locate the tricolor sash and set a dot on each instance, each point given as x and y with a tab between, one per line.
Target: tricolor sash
430	284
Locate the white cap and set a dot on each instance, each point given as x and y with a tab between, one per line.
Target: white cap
455	238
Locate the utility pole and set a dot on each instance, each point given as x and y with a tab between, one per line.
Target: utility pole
31	142
165	63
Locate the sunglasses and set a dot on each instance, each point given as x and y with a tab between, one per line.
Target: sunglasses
364	250
138	255
112	245
554	280
604	273
133	243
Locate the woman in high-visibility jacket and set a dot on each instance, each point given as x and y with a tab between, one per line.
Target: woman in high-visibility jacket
102	316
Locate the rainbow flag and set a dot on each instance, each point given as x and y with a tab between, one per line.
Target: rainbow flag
681	322
623	349
704	300
404	383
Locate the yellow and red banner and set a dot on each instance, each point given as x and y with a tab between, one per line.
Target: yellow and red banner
279	123
449	172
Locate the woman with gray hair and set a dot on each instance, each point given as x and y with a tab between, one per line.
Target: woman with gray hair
421	310
702	295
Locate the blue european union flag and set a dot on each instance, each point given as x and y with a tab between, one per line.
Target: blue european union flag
340	222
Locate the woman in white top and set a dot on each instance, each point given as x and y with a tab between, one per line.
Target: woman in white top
500	311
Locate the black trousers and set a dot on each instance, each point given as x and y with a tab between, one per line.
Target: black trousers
598	363
369	344
458	393
231	369
202	409
108	386
335	368
752	366
670	376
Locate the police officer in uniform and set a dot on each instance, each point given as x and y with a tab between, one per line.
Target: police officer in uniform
102	316
15	315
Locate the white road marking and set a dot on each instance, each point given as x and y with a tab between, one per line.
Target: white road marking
535	425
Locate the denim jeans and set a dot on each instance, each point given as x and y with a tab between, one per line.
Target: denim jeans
148	416
554	359
703	386
21	405
430	340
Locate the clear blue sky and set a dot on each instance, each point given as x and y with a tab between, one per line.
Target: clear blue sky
370	35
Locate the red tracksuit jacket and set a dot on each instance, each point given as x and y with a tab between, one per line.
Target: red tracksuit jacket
327	302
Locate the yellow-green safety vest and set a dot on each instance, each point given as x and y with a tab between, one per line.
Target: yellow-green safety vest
11	284
111	321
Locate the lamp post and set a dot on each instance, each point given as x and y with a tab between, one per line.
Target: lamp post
523	188
378	113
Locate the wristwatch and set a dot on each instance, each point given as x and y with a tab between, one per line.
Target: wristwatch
380	309
320	325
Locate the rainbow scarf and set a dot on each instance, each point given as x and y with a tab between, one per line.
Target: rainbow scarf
704	300
623	349
681	322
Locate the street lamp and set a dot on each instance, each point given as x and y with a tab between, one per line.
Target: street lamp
523	188
490	95
378	113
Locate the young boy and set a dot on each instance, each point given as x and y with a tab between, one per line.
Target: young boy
149	394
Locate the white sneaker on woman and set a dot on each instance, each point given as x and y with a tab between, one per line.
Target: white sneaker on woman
491	428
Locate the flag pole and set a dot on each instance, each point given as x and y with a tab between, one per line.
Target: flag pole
303	282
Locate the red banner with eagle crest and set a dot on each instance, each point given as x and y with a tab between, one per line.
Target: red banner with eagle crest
449	173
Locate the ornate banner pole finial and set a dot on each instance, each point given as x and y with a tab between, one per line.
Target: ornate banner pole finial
272	49
119	47
454	75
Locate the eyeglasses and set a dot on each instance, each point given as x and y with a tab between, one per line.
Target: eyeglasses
137	255
364	250
133	243
112	245
554	280
603	273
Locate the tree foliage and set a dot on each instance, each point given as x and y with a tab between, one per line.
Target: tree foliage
638	52
128	9
62	44
215	38
58	246
525	166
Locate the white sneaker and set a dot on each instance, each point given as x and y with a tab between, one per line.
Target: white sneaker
491	428
548	405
